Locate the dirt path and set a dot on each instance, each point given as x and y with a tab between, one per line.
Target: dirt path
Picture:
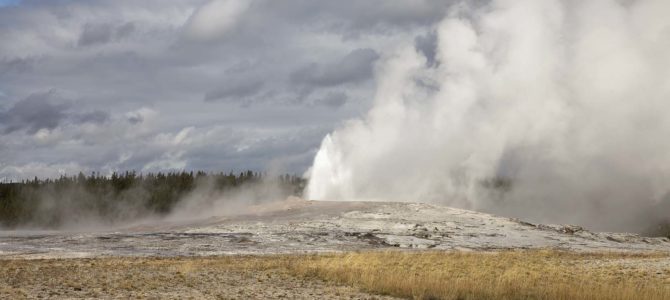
153	278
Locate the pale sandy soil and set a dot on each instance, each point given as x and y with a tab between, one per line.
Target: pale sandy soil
154	278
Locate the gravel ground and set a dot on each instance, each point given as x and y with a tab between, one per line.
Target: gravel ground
160	278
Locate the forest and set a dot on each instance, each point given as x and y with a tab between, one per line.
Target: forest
50	203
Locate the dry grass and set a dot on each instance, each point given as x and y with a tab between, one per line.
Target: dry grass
498	275
418	275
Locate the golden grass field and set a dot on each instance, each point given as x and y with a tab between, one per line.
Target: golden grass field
532	274
498	275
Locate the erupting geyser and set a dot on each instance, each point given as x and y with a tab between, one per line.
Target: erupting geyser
556	111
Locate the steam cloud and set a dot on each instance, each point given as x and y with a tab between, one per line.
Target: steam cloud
568	100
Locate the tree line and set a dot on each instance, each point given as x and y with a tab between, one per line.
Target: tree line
50	203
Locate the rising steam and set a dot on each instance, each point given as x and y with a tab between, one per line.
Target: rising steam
556	111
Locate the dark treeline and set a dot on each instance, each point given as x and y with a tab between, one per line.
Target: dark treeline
50	203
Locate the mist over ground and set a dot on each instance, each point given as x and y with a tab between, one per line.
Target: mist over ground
95	202
553	111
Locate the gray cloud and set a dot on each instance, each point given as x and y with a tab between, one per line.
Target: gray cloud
427	45
354	67
45	110
16	65
95	34
134	73
354	19
135	119
97	116
33	113
235	91
334	99
125	30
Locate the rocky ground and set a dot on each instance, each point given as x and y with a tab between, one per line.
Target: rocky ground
298	226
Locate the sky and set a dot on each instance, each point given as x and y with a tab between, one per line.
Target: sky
9	2
157	85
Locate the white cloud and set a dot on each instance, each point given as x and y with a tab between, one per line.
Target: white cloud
39	170
215	19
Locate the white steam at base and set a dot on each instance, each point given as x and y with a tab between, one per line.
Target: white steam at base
568	100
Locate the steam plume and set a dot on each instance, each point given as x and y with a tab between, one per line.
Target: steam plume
556	111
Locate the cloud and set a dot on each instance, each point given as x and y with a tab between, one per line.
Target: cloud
40	170
16	65
215	19
124	72
33	113
45	110
95	34
91	117
354	67
355	19
239	91
140	115
427	46
334	99
125	30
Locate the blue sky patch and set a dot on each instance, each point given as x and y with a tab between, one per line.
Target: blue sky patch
4	3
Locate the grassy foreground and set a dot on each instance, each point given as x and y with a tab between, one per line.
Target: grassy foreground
499	275
418	275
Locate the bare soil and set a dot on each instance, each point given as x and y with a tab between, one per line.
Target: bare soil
162	278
